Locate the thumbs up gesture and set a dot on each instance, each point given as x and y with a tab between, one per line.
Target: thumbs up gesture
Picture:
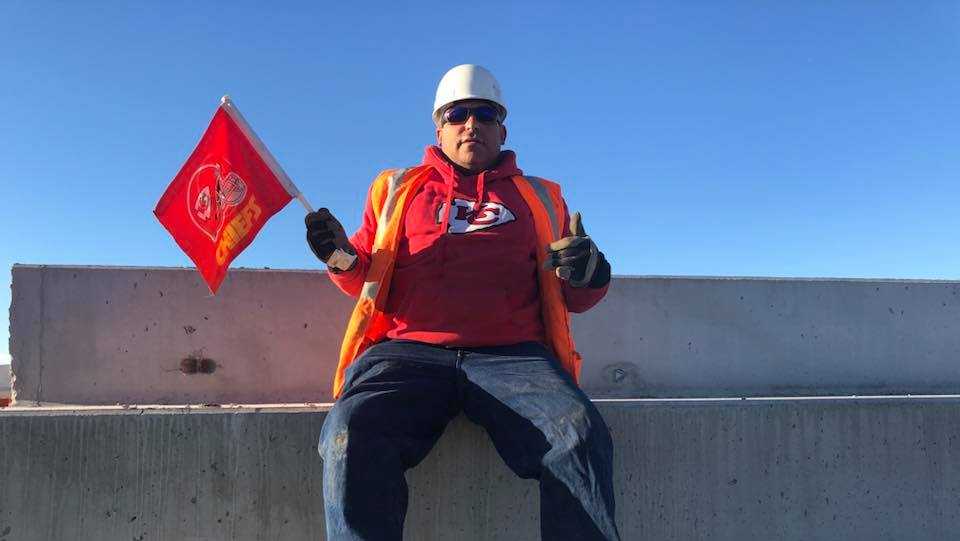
577	259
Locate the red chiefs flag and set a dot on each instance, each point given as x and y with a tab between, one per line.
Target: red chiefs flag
226	191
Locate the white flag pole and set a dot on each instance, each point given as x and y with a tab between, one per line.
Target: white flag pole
339	259
263	151
304	202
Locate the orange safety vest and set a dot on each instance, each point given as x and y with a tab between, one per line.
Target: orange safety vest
390	195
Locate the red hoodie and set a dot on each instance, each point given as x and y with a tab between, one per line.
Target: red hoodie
467	277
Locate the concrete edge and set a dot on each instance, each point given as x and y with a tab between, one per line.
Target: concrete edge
141	409
155	269
629	276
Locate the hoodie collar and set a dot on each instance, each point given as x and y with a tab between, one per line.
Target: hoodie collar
505	167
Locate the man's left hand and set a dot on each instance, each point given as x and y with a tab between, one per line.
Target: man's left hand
577	259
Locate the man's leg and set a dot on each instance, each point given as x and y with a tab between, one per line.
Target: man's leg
545	428
398	398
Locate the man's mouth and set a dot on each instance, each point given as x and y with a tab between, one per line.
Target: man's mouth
465	141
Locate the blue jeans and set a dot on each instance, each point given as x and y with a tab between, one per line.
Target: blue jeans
398	398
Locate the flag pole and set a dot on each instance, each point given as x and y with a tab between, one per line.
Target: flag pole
231	108
339	259
304	202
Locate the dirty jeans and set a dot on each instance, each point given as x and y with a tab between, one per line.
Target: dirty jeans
398	398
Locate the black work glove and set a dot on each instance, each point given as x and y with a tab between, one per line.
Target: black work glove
577	259
325	235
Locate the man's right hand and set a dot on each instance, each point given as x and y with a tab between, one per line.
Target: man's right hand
325	235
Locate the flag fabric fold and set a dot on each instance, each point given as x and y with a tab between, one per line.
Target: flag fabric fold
223	195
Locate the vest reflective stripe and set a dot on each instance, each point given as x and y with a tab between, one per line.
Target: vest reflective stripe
390	197
546	204
394	180
541	190
367	324
369	290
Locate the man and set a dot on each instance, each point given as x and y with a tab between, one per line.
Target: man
465	271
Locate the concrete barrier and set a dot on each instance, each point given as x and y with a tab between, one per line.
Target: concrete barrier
97	335
856	469
89	335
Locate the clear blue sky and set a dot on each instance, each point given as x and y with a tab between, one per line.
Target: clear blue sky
697	138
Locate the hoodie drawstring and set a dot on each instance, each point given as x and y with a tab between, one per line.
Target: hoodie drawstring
447	208
444	225
481	191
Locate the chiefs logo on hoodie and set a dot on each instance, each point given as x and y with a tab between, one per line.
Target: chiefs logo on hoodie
465	218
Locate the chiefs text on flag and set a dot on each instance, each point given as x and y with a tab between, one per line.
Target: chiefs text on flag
226	191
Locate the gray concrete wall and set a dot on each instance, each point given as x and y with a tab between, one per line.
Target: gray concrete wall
96	335
828	469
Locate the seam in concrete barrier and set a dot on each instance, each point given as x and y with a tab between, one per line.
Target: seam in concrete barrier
43	327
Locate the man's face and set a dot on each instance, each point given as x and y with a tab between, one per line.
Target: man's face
473	145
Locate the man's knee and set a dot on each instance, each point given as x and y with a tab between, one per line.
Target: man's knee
335	434
582	428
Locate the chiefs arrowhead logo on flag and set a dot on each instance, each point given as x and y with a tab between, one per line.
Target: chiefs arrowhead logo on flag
226	191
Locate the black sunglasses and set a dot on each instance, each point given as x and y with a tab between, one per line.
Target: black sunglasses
458	114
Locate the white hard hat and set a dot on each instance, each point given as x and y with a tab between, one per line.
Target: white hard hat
467	82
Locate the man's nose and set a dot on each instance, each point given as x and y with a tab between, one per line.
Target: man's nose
471	122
